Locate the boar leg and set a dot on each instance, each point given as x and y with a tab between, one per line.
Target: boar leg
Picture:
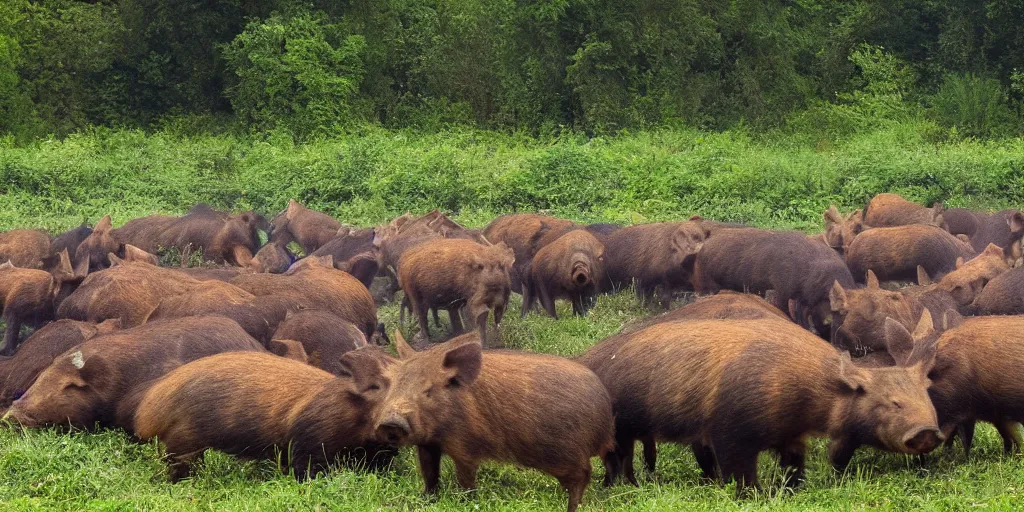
437	319
624	446
180	466
705	459
575	484
739	463
528	299
840	452
429	457
421	318
792	460
481	326
465	473
650	452
1011	438
455	317
665	295
578	308
11	334
965	431
548	302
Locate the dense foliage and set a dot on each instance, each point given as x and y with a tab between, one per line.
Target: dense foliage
318	67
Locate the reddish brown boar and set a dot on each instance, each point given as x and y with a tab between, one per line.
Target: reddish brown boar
859	315
101	242
890	210
521	232
19	371
656	256
969	380
30	297
1003	229
321	287
450	274
24	248
324	336
571	267
200	299
968	279
354	243
222	237
726	304
535	410
755	260
1004	295
734	388
363	267
309	228
894	253
841	230
255	405
84	385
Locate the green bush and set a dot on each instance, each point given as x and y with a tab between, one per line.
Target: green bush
973	105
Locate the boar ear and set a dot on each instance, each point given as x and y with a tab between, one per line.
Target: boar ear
403	348
832	216
959	262
326	261
364	365
465	360
849	375
923	279
837	297
925	326
344	231
90	369
938	208
950	319
7	264
114	260
993	250
63	270
104	224
82	268
293	208
872	280
1016	222
898	341
289	349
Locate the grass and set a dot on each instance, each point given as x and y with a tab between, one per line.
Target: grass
54	470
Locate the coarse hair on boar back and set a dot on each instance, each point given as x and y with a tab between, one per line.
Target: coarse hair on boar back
657	256
733	388
309	228
726	304
889	210
538	411
452	273
894	253
1004	229
1003	295
523	233
254	405
571	267
324	336
24	248
85	385
754	260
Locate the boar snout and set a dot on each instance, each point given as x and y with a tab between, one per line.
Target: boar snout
393	429
923	440
580	273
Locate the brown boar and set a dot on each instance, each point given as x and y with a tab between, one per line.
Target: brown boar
324	336
363	267
841	230
755	260
894	253
734	388
255	405
571	267
535	410
317	286
1003	295
352	244
30	297
890	210
1004	229
968	279
69	241
200	299
18	372
24	248
859	315
521	232
726	304
84	385
309	228
289	349
656	256
101	242
271	258
452	273
223	238
969	380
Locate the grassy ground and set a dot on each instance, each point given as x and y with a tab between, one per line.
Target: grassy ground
47	469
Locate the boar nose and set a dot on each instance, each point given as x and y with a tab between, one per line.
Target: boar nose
923	440
394	429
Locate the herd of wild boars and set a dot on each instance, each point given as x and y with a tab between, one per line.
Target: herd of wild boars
881	331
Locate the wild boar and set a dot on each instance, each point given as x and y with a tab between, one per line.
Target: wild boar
1004	228
571	267
1003	295
859	315
84	385
30	297
18	372
69	241
894	253
318	286
890	210
271	258
24	248
535	410
755	260
254	405
521	232
222	237
656	256
966	282
969	380
734	388
199	299
726	304
309	228
324	336
363	267
348	246
449	274
101	242
841	230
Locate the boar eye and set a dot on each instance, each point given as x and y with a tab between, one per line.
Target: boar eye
373	387
896	404
453	382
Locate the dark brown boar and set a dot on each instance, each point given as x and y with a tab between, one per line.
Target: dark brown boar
969	380
18	372
222	237
69	241
324	336
363	267
30	297
1004	228
449	274
840	230
571	267
535	410
84	385
734	388
656	256
309	228
255	405
726	304
755	260
24	248
1003	295
890	210
521	232
271	258
353	243
320	287
965	283
859	315
894	253
101	242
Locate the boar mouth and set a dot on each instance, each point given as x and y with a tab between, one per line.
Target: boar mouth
394	430
922	440
580	274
